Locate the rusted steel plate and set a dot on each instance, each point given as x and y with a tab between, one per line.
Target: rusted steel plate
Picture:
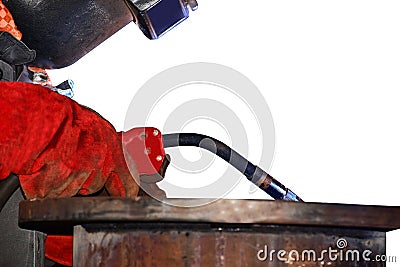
191	245
40	214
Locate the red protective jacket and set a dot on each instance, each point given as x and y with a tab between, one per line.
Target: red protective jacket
59	148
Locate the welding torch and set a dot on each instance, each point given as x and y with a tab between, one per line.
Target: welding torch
255	174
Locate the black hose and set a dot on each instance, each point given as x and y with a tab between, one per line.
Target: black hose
7	188
254	173
214	146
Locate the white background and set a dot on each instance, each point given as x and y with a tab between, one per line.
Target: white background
329	71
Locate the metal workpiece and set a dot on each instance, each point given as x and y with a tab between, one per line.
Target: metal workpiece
156	17
49	215
174	244
243	233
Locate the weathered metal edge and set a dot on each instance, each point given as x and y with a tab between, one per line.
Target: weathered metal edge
112	209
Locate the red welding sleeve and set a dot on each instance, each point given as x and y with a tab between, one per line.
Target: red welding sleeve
57	147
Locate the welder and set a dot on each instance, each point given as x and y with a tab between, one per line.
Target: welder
53	147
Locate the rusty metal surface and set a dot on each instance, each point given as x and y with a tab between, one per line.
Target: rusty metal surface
49	213
221	245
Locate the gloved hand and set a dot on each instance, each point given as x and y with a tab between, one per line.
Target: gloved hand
59	148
